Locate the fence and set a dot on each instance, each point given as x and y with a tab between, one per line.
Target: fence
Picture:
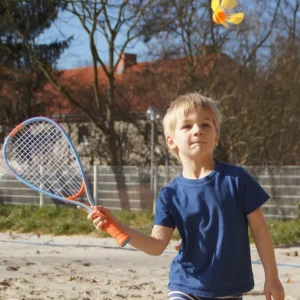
128	188
117	188
281	183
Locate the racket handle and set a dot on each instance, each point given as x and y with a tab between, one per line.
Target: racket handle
111	228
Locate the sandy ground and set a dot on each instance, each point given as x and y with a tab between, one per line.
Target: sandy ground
86	268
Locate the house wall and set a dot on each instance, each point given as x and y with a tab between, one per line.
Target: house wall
135	144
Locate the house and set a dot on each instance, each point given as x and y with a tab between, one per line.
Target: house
137	87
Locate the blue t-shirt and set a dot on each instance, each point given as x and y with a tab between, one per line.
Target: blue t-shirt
211	216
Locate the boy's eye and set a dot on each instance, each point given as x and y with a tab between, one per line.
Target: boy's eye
205	125
186	126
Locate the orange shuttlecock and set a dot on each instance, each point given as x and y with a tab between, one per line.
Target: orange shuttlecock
222	14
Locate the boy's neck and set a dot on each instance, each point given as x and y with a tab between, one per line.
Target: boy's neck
198	169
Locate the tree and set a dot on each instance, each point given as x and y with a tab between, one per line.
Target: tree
21	24
240	70
117	21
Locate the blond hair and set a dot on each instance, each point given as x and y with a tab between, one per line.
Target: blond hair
185	104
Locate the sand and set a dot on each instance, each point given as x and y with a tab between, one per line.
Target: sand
86	267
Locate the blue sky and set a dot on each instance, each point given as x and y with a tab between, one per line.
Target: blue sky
78	54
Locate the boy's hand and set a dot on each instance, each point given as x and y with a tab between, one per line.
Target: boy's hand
274	289
99	220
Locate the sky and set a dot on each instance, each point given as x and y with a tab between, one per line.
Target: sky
78	54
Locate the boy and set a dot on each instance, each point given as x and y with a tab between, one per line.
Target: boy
211	204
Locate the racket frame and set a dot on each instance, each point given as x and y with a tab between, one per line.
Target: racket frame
110	227
72	147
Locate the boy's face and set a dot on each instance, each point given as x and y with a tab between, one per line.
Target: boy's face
195	135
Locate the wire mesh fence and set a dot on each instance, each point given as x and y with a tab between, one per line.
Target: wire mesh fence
128	188
282	183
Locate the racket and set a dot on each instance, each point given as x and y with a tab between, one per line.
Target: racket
40	154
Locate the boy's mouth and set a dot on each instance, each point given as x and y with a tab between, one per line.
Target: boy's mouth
198	142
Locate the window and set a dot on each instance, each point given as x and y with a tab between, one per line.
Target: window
2	137
83	135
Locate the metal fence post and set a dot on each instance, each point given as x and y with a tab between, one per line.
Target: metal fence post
41	187
41	200
166	167
95	184
155	186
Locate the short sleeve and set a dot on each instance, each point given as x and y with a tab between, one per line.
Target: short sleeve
163	215
253	195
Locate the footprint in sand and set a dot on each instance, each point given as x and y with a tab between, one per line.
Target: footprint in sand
12	268
5	283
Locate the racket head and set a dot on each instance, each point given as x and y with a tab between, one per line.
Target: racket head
40	154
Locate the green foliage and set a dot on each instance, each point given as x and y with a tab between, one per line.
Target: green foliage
44	220
283	232
21	23
66	220
22	53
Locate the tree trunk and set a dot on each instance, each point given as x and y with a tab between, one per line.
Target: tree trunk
115	159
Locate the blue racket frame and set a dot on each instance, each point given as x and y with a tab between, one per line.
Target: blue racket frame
88	193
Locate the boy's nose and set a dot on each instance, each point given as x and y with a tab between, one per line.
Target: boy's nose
197	130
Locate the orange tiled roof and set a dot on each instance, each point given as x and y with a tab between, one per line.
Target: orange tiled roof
140	86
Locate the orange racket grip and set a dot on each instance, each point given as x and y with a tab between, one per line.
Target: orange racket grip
111	228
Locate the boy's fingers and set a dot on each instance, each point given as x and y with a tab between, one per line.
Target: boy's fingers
80	208
98	208
97	215
91	216
268	296
99	225
98	219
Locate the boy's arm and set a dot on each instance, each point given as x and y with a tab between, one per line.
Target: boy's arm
264	245
153	244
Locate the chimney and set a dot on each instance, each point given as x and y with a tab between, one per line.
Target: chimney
209	49
127	60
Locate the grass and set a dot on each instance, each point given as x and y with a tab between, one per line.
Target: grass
62	220
46	220
283	232
287	232
66	220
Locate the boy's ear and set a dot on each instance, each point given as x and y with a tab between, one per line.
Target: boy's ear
217	139
170	142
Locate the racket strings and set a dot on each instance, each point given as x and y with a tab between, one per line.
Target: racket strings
67	184
59	180
23	141
56	177
41	155
53	167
